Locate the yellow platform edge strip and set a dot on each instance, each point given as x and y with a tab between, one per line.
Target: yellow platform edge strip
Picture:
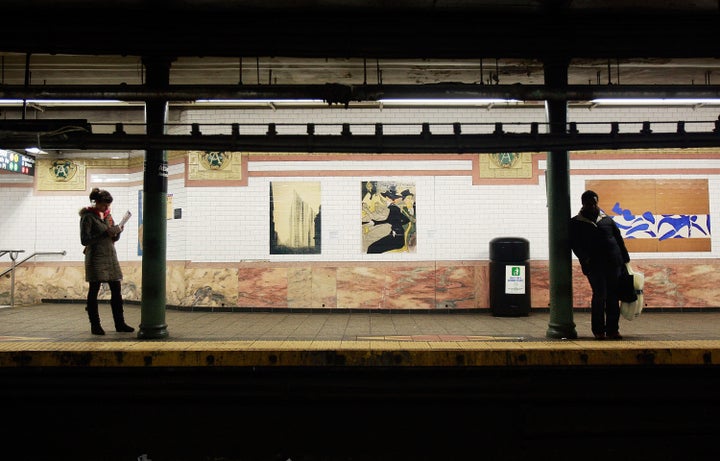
357	354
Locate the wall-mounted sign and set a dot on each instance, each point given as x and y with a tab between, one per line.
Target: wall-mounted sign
17	162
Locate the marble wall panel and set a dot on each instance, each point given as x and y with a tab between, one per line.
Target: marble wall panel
455	287
299	287
132	281
539	284
689	285
580	288
262	287
409	287
324	287
701	284
34	283
361	287
210	287
482	285
5	291
58	282
668	284
661	284
176	288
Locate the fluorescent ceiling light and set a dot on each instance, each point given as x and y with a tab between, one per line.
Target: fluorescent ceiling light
396	102
98	178
64	102
655	101
35	151
258	101
446	102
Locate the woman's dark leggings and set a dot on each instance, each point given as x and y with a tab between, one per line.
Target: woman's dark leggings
116	302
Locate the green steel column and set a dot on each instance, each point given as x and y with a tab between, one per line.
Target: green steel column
561	324
155	179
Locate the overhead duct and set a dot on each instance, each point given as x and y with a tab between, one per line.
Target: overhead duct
34	133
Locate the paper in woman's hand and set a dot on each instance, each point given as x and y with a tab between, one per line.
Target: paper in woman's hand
125	218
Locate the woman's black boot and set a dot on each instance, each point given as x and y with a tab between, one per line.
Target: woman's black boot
119	317
124	328
94	316
116	304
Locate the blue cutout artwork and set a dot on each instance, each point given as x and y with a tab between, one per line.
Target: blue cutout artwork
648	225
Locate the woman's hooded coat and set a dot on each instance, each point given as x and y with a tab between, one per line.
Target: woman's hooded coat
101	262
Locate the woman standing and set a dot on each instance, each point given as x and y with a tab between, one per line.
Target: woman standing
98	234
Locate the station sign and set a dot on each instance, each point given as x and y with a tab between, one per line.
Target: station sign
17	162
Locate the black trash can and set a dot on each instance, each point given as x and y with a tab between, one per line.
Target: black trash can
509	277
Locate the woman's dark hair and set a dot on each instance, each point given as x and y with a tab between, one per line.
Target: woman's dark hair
98	195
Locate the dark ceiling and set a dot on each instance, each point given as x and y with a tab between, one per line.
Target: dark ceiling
353	51
371	29
301	42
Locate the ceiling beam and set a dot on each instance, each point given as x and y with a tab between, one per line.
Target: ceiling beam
400	144
343	94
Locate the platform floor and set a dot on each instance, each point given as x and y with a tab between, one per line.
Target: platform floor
361	339
230	386
68	323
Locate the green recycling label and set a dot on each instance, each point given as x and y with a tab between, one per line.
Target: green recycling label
515	280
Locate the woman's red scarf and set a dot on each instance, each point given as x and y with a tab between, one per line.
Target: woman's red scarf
101	214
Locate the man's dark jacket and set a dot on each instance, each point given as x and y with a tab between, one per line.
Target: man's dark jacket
597	244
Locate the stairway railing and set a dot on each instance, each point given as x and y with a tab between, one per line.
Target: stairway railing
11	270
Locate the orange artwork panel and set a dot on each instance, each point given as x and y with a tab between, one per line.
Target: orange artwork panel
658	215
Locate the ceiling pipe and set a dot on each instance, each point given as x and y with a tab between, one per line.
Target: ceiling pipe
342	94
27	84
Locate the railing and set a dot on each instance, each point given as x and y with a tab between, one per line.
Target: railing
11	270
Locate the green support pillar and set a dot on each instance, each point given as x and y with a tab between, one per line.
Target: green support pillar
155	180
561	324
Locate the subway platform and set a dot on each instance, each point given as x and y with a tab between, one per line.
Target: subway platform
357	386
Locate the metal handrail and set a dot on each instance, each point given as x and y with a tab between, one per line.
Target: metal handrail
13	256
13	253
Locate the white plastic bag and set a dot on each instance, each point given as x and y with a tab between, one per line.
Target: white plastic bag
632	310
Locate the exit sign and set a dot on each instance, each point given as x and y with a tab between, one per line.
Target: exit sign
17	162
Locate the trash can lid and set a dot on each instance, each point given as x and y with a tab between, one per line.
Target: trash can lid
509	249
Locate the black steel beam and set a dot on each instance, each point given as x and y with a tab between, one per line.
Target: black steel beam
462	143
337	93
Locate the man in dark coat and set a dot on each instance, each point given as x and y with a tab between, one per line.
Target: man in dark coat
596	241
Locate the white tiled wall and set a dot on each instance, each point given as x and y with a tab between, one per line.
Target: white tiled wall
456	219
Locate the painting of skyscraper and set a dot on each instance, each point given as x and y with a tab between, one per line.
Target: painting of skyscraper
295	217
